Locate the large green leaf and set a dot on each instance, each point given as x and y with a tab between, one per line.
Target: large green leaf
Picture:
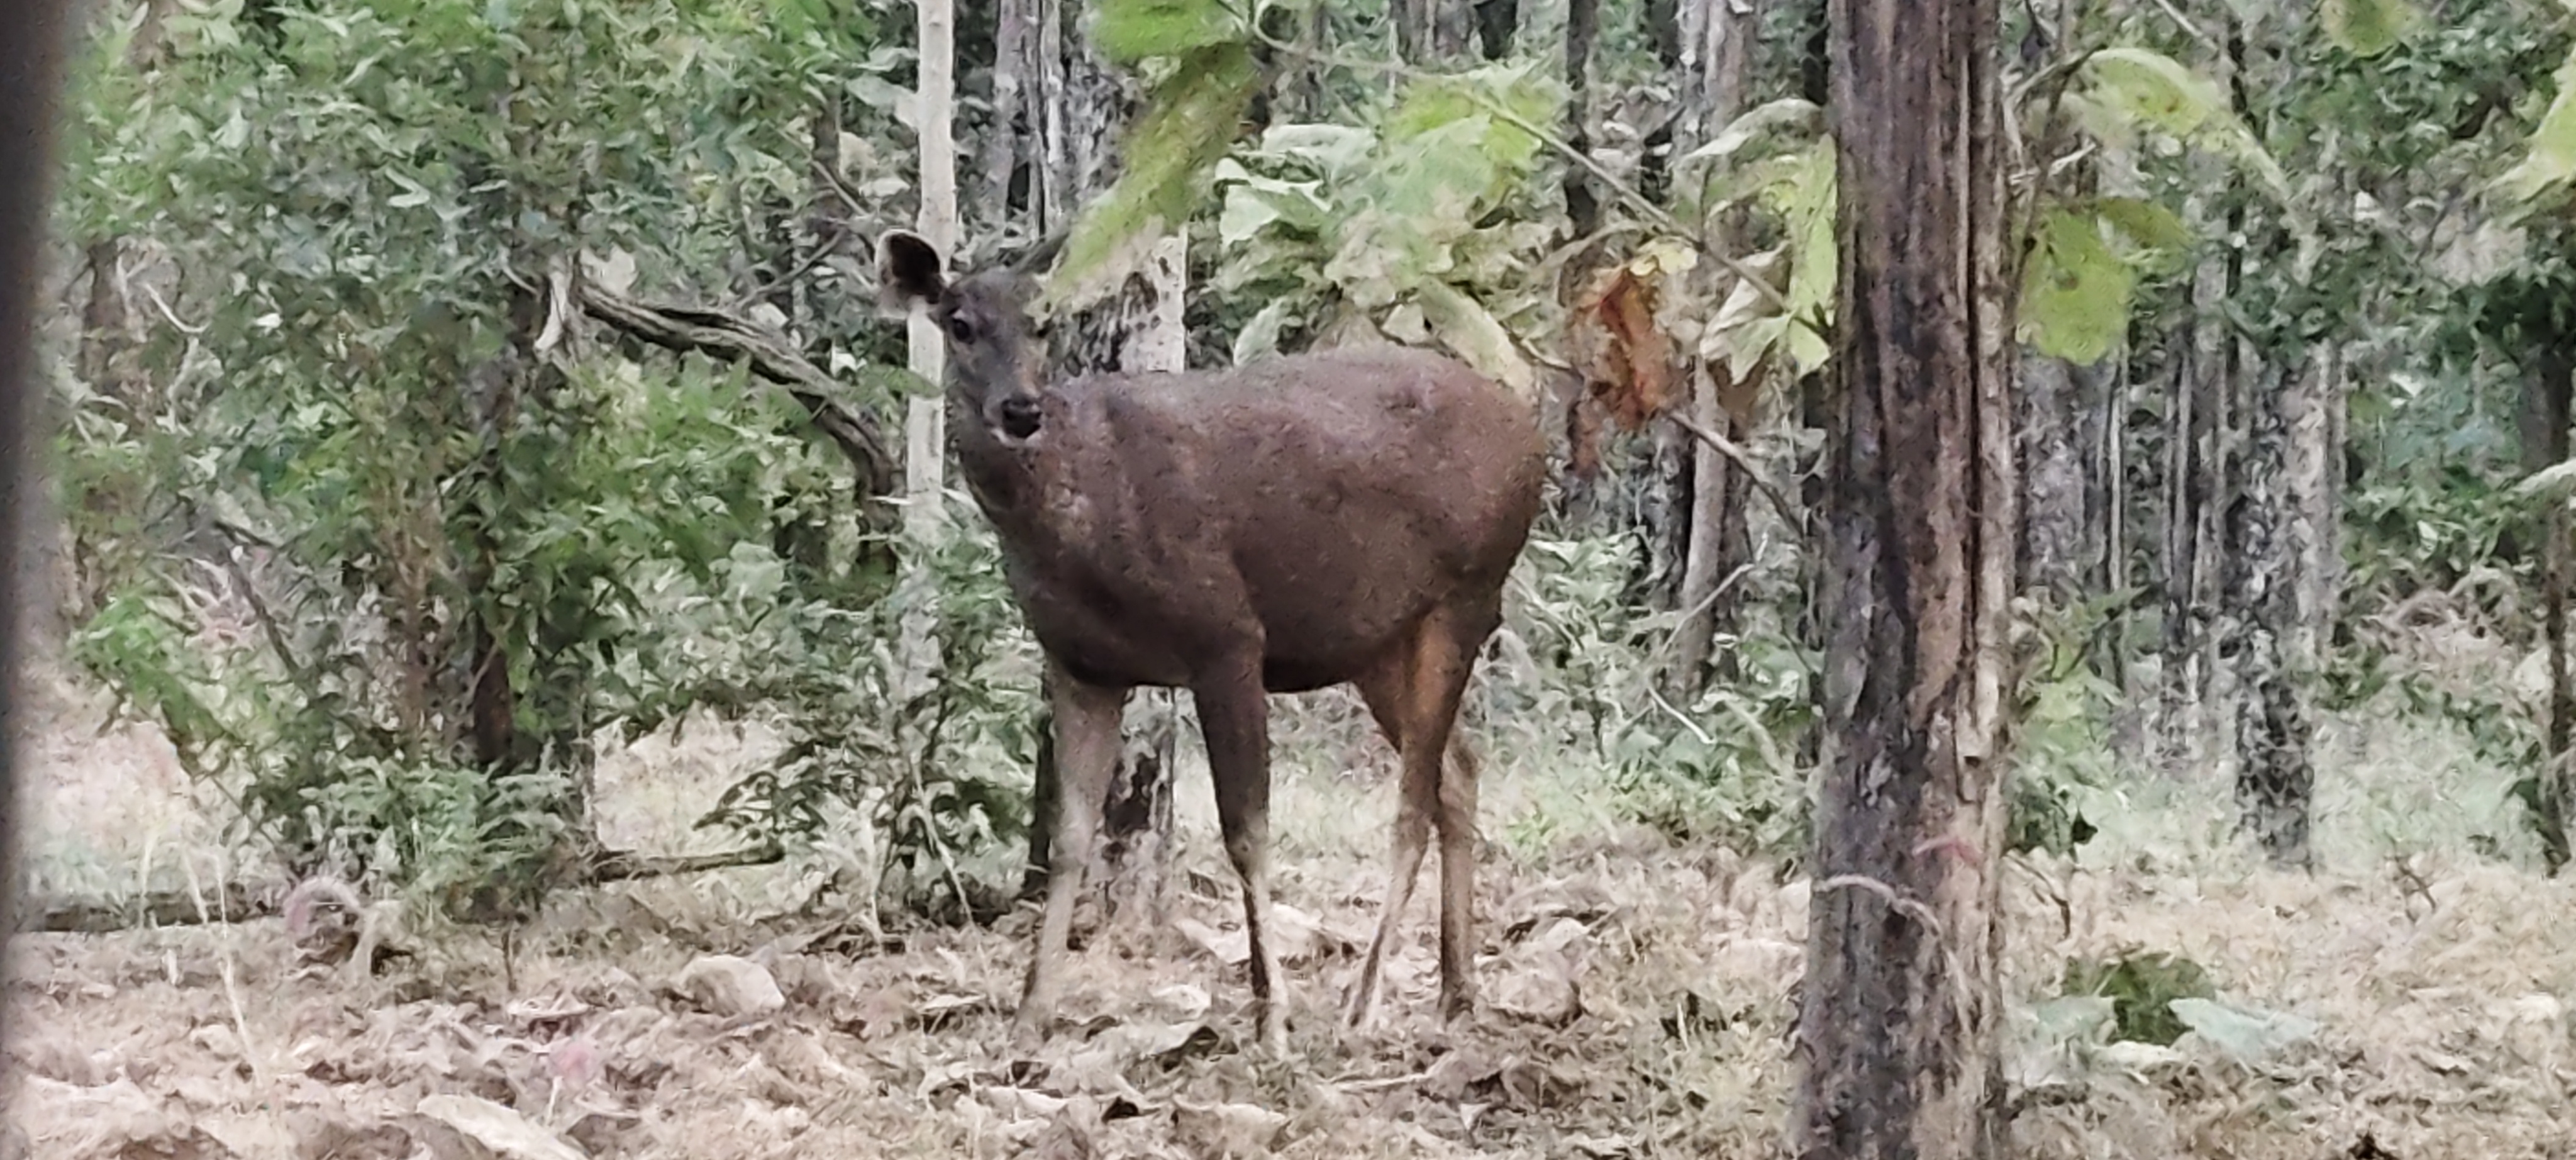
2075	292
2154	88
2551	161
2139	86
1191	121
1127	31
2148	225
2369	27
1786	115
1471	331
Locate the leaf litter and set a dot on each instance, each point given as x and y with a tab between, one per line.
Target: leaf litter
1637	1003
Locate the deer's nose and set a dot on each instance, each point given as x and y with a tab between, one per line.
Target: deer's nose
1019	416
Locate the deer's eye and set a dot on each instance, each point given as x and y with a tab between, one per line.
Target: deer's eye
959	329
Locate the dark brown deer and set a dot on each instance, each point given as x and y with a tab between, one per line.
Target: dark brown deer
1293	524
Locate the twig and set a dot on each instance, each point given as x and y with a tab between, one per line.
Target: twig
2206	40
1744	462
624	866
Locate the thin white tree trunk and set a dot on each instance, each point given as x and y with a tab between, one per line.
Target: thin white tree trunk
924	428
1138	855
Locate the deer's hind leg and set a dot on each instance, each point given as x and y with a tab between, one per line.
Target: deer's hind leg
1413	694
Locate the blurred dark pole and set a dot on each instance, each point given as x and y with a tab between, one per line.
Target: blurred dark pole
31	58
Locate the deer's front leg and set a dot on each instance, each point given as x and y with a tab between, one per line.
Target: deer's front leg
1234	713
1086	756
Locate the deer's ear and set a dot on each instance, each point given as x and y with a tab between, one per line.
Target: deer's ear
908	271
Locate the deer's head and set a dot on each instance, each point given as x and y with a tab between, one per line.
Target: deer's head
996	363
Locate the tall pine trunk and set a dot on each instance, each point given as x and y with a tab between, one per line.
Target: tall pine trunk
1898	1027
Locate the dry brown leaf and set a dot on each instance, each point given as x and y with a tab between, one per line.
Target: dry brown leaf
460	1127
1228	1129
1627	358
731	986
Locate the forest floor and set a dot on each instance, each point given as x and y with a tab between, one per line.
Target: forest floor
2409	999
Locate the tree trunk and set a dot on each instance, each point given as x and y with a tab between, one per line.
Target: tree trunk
1582	27
925	420
1136	828
2063	410
2195	480
1898	1026
1138	329
1431	31
936	220
2546	392
1713	55
1497	23
2267	632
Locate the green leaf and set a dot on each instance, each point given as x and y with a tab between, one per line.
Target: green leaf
1127	31
1189	124
2147	224
2245	1034
2154	88
2075	292
1334	148
1260	337
2368	28
1478	339
2554	482
2551	161
1253	202
2141	86
1792	114
895	382
1806	199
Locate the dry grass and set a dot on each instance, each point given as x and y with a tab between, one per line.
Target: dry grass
1638	993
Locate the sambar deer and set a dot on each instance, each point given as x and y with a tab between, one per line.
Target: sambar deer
1285	526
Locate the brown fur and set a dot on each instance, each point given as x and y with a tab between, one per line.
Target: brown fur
1343	517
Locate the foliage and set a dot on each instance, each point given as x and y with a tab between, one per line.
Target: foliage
461	535
2063	761
1189	122
1717	769
1386	229
940	765
2142	988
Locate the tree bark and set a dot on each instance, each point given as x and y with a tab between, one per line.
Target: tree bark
2546	393
1497	23
2195	479
1138	329
1898	1026
2064	408
1431	31
1582	27
925	420
2268	633
1136	827
1713	57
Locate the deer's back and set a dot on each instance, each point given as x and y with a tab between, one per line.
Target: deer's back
1334	498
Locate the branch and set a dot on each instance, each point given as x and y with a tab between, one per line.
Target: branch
718	334
1743	462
